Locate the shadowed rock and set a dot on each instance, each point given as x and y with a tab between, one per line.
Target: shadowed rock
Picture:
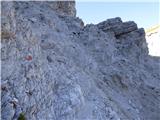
63	7
117	26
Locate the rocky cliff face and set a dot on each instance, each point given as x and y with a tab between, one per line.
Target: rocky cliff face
55	68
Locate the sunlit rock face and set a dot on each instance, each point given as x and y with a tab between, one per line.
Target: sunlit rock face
55	68
153	40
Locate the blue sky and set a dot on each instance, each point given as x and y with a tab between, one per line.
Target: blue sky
145	14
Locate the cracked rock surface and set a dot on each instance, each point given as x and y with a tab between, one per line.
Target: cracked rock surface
55	68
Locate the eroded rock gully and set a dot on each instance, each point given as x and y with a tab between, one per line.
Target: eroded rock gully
55	68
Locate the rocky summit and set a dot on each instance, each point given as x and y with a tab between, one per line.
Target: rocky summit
53	67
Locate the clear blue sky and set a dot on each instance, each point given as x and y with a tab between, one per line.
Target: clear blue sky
145	14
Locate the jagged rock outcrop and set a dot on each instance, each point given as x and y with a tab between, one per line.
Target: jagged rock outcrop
55	68
117	26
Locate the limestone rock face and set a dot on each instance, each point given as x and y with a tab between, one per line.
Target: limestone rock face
63	7
55	68
117	26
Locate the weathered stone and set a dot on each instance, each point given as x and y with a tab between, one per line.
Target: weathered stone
64	7
124	28
55	68
117	26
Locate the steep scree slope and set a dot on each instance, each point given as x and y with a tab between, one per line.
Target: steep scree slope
55	68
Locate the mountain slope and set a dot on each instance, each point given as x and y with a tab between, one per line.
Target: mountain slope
55	68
